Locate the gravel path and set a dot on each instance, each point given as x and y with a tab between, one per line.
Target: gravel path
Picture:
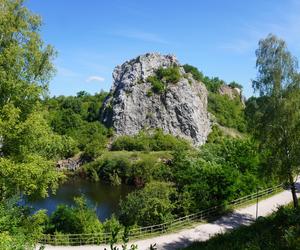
202	232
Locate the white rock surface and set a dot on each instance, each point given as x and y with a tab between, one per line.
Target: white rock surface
181	110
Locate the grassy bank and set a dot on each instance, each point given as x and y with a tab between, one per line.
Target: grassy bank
281	230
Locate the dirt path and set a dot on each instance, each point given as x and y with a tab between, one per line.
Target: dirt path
202	232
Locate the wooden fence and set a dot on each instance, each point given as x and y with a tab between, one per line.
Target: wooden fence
143	232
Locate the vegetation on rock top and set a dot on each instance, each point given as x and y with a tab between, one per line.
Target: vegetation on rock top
162	77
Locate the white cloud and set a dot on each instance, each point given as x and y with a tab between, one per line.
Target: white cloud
95	79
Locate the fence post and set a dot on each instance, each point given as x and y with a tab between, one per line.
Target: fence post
256	202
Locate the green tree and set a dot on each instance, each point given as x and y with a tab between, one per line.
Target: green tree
278	124
276	67
25	61
25	165
148	206
18	229
25	69
228	112
80	219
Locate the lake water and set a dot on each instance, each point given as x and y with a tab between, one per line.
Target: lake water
102	196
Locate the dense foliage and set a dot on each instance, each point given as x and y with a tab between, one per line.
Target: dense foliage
197	75
279	231
27	142
219	173
78	118
28	145
135	168
151	205
212	84
276	112
228	112
163	77
18	228
76	219
150	141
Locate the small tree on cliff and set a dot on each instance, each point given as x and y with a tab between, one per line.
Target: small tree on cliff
278	122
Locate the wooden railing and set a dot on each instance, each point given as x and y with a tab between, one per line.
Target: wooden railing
143	232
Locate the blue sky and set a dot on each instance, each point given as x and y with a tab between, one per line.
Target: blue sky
217	36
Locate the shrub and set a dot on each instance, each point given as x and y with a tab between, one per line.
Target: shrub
235	85
74	219
215	134
149	206
19	229
168	75
197	75
220	172
162	77
128	167
157	85
150	141
229	113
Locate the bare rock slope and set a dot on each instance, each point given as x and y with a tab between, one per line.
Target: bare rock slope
132	105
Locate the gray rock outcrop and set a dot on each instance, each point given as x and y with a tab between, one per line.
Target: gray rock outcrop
71	164
232	93
180	110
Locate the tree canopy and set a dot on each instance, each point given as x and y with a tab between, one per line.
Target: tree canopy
28	145
277	115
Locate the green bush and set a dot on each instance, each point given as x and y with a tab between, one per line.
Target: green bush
215	135
78	117
135	168
77	219
220	172
229	113
197	75
235	85
162	77
213	84
148	206
150	141
168	75
19	228
158	86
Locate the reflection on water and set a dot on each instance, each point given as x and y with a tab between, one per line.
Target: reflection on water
101	196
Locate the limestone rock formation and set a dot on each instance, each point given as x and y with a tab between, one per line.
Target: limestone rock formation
232	92
71	164
229	91
181	109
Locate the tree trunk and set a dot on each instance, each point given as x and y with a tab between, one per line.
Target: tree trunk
293	189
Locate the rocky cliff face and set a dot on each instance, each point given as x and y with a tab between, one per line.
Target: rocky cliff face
232	93
132	105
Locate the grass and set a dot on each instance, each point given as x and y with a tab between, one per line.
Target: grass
281	230
130	167
133	155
